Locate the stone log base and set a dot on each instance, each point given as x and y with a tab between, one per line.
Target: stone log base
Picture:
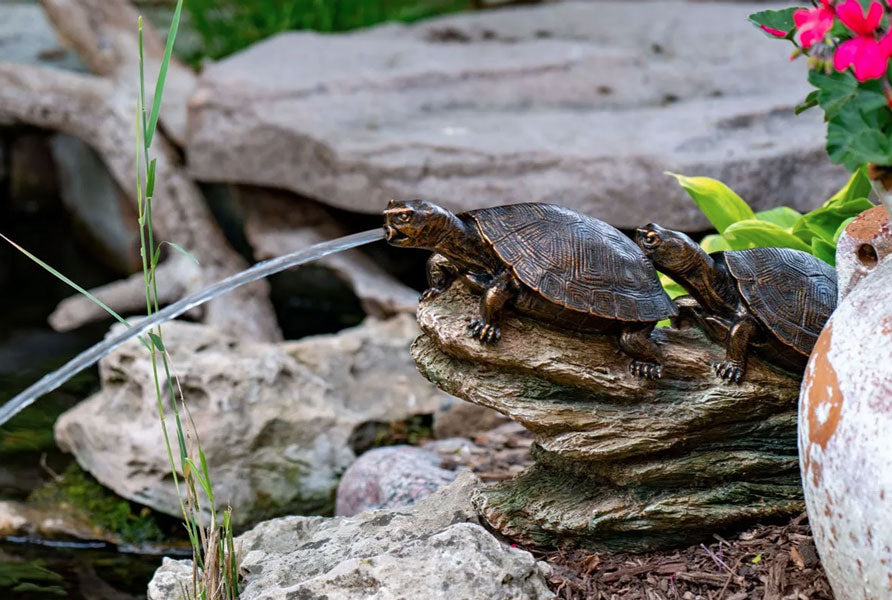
622	464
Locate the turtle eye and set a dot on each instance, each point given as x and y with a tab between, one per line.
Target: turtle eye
651	239
403	217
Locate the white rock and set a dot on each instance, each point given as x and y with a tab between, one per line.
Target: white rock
432	550
580	103
172	581
274	420
845	420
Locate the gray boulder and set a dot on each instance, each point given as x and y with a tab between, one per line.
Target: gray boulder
432	550
580	103
275	421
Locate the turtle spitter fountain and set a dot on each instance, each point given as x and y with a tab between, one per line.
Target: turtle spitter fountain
631	452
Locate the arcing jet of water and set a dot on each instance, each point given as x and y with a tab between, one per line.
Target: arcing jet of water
263	269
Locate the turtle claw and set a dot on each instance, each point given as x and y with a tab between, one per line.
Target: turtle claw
728	370
647	370
431	293
485	332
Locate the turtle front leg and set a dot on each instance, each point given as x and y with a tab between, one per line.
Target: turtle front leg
647	357
486	328
440	275
742	332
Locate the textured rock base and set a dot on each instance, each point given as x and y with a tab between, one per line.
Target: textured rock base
621	463
434	550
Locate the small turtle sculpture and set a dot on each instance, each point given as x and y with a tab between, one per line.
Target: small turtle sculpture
556	265
773	300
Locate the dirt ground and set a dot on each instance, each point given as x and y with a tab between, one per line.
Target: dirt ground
767	562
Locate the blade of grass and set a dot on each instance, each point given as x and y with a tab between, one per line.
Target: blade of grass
73	285
162	73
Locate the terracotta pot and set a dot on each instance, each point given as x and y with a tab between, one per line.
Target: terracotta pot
845	419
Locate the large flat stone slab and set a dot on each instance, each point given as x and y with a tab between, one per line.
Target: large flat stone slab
580	103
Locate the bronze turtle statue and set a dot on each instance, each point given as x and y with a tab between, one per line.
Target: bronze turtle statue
561	267
773	300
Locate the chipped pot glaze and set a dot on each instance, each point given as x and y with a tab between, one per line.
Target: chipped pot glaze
865	243
845	430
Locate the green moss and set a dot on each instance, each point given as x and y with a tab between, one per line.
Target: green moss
80	493
29	580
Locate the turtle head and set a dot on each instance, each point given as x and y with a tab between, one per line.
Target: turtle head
670	251
416	224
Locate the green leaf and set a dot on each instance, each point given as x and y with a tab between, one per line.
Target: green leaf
810	101
182	251
834	90
858	186
717	201
825	221
150	178
859	126
162	74
157	341
824	250
775	19
714	243
782	216
755	234
672	289
841	228
756	559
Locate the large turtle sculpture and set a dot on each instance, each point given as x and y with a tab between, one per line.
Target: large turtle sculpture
773	300
556	265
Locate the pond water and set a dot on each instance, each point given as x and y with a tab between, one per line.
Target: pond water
31	571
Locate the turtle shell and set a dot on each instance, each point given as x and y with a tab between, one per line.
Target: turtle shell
791	292
575	261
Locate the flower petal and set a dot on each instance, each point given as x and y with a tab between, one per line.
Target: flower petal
773	31
874	16
845	54
853	17
812	25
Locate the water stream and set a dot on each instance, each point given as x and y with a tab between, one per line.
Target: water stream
263	269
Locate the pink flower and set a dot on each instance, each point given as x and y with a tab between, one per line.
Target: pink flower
775	32
852	15
813	24
867	56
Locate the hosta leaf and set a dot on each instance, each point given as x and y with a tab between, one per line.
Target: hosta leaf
841	228
754	234
824	222
714	243
783	216
824	251
858	186
718	202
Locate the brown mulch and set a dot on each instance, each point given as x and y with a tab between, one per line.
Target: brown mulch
767	562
